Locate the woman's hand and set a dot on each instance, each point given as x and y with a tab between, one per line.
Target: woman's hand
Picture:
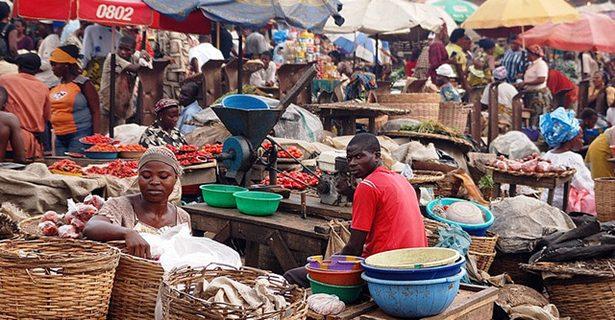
136	245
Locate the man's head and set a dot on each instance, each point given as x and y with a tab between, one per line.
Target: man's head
188	93
5	10
265	58
4	97
598	79
29	63
534	52
457	35
487	44
589	118
514	43
20	26
205	38
126	47
363	154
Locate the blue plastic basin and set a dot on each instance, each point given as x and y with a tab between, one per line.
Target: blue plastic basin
414	299
244	102
473	229
414	274
101	155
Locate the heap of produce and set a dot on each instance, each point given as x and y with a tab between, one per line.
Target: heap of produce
117	168
97	139
530	165
102	147
190	155
295	180
285	154
432	127
131	148
66	166
213	148
71	224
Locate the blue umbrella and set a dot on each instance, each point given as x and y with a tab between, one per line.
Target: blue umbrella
348	43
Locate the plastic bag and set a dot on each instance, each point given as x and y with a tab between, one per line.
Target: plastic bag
337	240
580	200
514	144
129	133
325	304
176	247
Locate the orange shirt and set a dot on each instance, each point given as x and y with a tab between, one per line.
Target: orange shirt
29	101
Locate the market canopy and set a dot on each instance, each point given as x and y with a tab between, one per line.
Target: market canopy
518	13
310	14
361	46
593	32
459	10
387	16
111	12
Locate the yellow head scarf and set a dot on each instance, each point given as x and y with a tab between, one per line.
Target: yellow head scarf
60	56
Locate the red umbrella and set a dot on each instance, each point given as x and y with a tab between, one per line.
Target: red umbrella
593	32
111	12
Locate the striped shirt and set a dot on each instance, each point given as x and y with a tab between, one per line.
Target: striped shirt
515	64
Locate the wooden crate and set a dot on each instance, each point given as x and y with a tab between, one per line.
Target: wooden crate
472	303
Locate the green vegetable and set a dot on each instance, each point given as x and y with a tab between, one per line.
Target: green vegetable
432	127
486	182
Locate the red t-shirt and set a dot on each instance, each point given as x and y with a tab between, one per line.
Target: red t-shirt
386	207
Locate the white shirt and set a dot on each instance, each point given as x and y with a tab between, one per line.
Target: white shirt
262	76
610	115
50	43
203	53
589	65
535	70
506	93
97	42
582	179
256	43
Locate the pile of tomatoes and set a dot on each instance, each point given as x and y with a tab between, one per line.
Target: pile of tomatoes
102	147
117	168
190	155
295	180
67	166
215	148
131	148
290	151
97	139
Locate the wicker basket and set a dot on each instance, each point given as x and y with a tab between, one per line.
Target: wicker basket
29	226
454	115
605	198
408	98
180	303
509	263
135	287
416	111
52	278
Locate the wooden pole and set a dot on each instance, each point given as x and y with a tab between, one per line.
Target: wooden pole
139	85
493	129
112	84
240	62
476	125
517	110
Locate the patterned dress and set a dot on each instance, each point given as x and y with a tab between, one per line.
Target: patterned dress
156	136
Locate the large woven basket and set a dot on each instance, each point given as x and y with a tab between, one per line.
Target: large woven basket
135	287
408	98
417	111
52	278
180	303
454	115
605	198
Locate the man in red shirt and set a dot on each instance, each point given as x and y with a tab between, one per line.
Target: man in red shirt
385	208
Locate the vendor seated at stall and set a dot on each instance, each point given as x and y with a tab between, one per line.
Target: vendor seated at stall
385	209
124	217
266	76
444	75
10	132
562	132
163	132
506	95
189	97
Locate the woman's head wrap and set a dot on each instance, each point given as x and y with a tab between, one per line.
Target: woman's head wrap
161	154
165	104
65	54
559	126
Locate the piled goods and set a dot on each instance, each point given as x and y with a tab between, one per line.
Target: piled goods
325	304
117	168
212	148
194	293
296	180
56	279
340	276
102	151
417	282
432	127
97	138
131	148
531	165
102	147
190	155
71	224
290	151
66	166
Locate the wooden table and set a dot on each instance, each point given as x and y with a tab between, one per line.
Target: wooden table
348	113
472	303
315	208
288	237
550	183
196	175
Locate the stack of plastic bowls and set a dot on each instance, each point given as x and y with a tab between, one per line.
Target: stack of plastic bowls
412	283
340	275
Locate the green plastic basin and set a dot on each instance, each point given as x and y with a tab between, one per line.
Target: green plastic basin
348	294
220	195
257	203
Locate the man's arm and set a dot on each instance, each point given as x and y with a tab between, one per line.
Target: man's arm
354	247
12	43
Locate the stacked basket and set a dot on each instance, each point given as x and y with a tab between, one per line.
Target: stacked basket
420	106
454	115
605	201
56	279
179	300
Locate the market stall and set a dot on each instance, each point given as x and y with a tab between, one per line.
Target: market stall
347	113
